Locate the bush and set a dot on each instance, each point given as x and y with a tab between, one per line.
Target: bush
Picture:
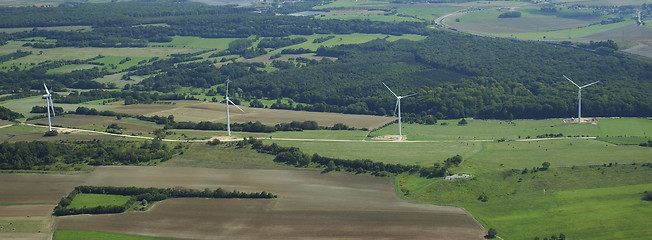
51	133
510	15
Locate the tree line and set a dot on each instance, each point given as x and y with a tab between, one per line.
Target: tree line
295	157
36	155
145	195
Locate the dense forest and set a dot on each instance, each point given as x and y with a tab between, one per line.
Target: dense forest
38	154
455	75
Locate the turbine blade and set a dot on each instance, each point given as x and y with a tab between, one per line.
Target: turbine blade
409	95
390	90
46	89
589	84
235	105
52	106
396	107
571	81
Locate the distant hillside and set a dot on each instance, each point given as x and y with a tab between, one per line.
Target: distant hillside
465	76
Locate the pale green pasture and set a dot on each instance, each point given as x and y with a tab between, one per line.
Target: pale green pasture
197	42
354	3
427	13
564	34
488	129
355	38
117	79
373	17
424	154
322	134
70	68
23	224
69	53
560	153
626	127
24	105
110	61
91	200
223	157
597	213
83	234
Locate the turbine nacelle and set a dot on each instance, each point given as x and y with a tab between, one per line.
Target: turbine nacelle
398	106
579	97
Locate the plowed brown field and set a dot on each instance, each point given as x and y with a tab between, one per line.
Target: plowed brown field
310	205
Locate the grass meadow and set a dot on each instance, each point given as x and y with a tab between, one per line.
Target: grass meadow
373	17
196	42
90	200
490	129
354	3
424	154
581	202
83	234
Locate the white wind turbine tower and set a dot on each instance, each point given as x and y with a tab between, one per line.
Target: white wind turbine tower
398	106
227	101
50	106
579	97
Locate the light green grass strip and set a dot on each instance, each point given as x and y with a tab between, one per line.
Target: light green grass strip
89	235
600	213
91	200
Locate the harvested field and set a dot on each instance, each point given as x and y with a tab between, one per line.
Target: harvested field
143	109
32	187
205	111
310	204
26	210
518	25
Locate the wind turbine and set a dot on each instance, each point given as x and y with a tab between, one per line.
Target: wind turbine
50	106
579	97
227	101
398	106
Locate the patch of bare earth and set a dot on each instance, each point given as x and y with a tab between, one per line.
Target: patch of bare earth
205	111
310	205
640	34
38	193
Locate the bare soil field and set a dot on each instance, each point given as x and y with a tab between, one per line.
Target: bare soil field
75	121
310	205
143	109
632	32
37	188
205	111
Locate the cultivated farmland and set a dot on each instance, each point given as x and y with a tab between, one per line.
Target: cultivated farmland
363	207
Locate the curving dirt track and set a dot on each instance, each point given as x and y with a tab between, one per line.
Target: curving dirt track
310	205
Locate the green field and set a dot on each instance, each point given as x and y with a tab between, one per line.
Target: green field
491	129
427	13
90	200
341	39
82	234
564	34
24	105
354	3
560	153
223	157
424	154
373	17
196	42
582	202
